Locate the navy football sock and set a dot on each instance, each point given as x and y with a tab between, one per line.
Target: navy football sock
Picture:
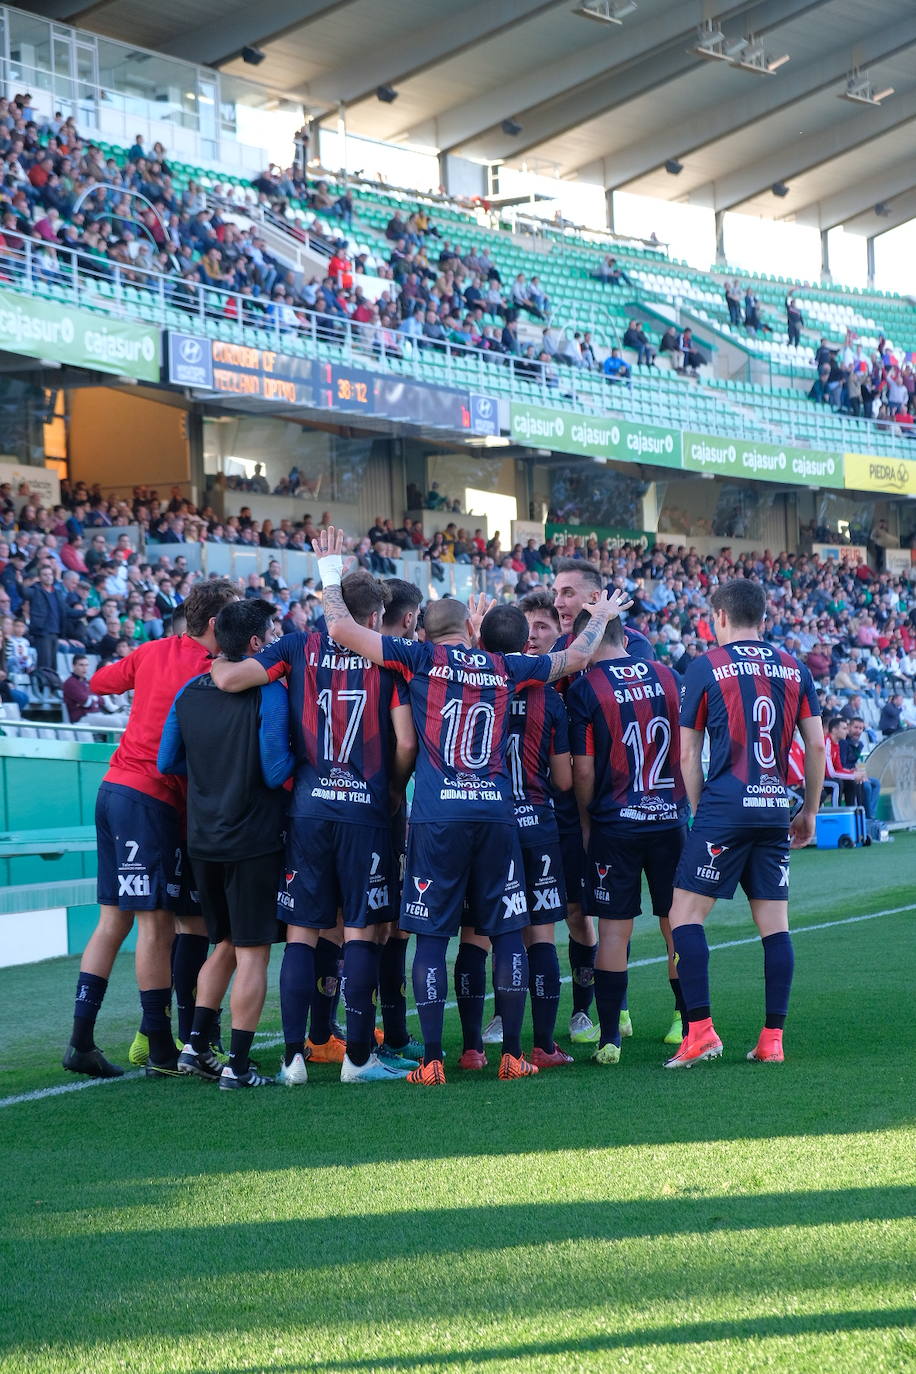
544	986
430	986
610	990
90	992
240	1051
326	990
158	1016
470	990
360	978
189	954
778	967
392	966
692	954
297	978
510	980
679	1002
582	965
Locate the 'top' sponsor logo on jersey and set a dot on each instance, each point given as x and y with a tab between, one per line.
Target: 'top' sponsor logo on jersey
470	660
629	672
752	650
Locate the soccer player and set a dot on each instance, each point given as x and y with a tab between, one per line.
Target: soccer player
355	749
626	768
139	822
538	758
234	750
463	841
576	585
749	697
543	629
402	606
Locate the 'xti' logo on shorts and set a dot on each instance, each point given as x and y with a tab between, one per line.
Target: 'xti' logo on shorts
133	885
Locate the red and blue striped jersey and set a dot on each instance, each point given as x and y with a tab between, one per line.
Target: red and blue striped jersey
537	729
637	646
340	713
624	714
748	696
460	701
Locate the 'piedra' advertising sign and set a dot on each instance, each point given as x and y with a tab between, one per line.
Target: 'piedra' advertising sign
867	472
764	462
594	436
49	329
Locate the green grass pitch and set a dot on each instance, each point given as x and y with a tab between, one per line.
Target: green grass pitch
734	1218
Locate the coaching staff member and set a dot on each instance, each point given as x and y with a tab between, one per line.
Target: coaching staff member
234	748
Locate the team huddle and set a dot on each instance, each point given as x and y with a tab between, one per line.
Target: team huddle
260	794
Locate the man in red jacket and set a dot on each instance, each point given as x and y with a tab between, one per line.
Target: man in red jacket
140	828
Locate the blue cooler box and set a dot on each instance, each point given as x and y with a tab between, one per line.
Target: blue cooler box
841	827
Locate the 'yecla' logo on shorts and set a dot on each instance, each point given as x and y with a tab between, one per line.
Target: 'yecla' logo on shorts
419	908
710	871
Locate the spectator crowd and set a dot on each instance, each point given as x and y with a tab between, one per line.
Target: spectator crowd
98	576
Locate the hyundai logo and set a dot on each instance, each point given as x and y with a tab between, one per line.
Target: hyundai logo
191	351
484	407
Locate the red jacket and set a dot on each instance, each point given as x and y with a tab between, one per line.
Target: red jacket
155	672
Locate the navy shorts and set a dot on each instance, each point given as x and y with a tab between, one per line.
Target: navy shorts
141	850
545	884
333	865
398	854
616	864
714	862
480	861
572	851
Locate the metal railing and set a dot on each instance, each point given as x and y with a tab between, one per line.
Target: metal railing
84	279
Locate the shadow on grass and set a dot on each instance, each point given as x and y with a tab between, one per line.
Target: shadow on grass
693	1333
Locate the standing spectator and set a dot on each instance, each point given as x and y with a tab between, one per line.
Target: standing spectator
733	301
794	321
889	722
47	617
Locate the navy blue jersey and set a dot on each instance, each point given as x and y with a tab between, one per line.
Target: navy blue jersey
637	647
537	729
460	702
749	697
624	714
340	714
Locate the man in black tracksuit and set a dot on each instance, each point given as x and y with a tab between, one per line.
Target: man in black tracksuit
235	751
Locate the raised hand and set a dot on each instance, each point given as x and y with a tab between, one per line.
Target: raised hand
477	609
330	543
610	605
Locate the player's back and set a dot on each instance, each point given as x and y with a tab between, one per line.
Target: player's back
624	714
749	696
340	714
155	672
460	701
537	730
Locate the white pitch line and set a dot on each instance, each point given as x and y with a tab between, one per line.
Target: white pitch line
63	1088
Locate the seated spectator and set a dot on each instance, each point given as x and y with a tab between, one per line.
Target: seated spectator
889	722
694	358
636	338
522	297
615	368
612	275
671	343
852	747
82	707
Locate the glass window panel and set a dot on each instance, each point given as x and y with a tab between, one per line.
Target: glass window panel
30	49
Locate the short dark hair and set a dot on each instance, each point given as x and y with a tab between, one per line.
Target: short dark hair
400	597
579	565
614	632
857	720
539	600
504	630
204	603
238	621
743	601
362	594
80	658
445	617
834	720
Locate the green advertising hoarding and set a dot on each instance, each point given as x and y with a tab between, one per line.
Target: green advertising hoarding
762	462
50	329
594	436
644	538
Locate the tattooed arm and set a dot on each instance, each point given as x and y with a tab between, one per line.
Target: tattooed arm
342	628
578	655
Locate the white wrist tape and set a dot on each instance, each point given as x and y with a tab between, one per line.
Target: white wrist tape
331	569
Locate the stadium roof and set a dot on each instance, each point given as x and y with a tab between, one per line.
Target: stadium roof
607	102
